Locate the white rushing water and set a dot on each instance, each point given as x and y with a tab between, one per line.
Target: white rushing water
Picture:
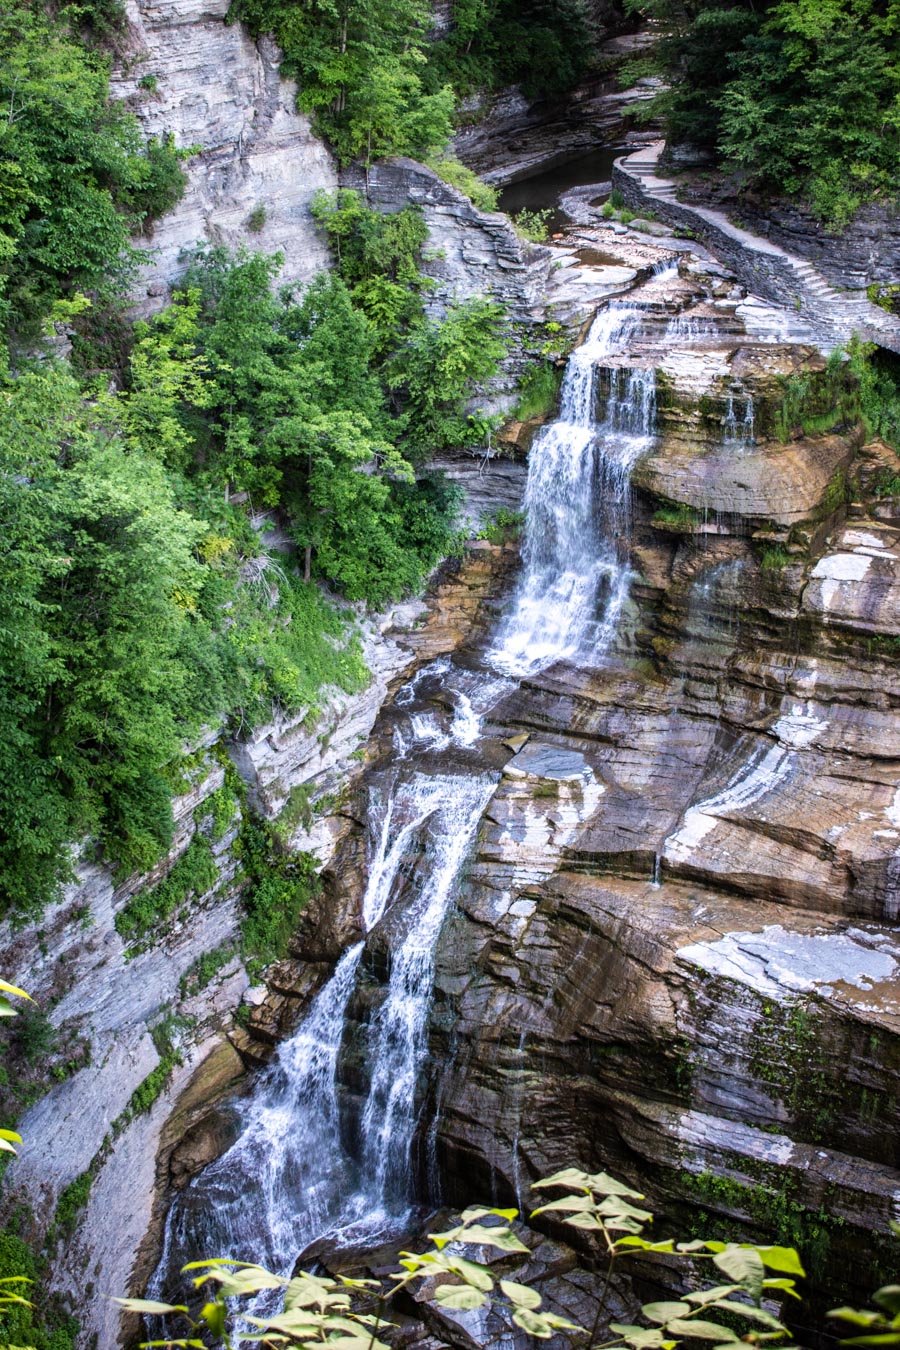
289	1179
302	1168
575	571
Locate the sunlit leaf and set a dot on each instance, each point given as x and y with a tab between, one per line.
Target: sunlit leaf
644	1245
460	1296
663	1312
888	1297
784	1259
641	1338
541	1324
148	1305
749	1310
473	1212
700	1330
745	1266
786	1286
884	1338
520	1294
213	1314
569	1204
588	1221
501	1238
13	989
569	1176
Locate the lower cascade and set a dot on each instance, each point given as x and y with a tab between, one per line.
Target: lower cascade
298	1173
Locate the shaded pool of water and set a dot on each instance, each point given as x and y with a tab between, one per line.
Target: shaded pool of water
543	190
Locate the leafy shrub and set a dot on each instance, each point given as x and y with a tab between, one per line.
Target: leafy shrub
538	392
459	175
532	225
72	1200
678	517
281	886
359	72
192	875
502	527
40	1326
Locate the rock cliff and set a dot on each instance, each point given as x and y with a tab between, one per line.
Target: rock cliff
186	72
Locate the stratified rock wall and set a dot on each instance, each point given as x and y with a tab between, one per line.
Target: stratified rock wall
209	84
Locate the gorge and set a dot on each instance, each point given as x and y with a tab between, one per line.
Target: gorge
608	846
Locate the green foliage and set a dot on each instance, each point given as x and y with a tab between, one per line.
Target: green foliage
814	402
436	367
74	177
204	970
149	910
678	517
532	225
545	46
137	604
598	1206
257	218
71	1202
150	1090
874	1326
502	527
281	885
774	559
878	375
28	1317
803	97
459	175
359	66
538	391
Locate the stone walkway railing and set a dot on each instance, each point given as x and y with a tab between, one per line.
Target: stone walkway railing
763	267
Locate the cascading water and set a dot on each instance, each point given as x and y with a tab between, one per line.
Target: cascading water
291	1178
575	572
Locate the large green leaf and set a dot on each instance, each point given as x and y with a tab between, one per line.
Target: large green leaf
148	1305
784	1259
460	1296
700	1330
520	1294
664	1312
542	1324
745	1266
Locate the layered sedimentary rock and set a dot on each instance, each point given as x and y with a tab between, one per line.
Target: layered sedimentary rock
187	73
704	992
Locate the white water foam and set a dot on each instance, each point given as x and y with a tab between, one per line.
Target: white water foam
575	574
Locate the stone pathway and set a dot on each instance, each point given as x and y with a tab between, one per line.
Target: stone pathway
763	266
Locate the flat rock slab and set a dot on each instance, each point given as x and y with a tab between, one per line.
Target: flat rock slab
782	483
859	967
858	583
538	759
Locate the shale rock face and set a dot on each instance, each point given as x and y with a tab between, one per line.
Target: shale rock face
258	164
685	965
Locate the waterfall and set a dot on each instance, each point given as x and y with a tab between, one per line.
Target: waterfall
738	432
289	1178
300	1170
575	572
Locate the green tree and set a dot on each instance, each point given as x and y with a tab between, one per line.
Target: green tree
74	177
359	67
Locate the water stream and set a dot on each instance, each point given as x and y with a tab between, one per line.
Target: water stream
298	1172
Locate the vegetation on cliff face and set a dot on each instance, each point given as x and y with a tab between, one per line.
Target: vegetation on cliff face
75	178
376	82
800	96
138	601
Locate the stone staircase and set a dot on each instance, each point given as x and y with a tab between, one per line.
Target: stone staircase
764	267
